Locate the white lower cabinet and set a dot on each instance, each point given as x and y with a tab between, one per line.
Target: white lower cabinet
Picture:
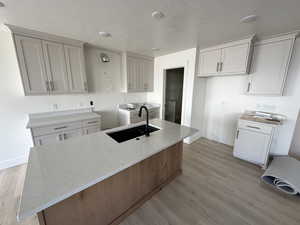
72	133
253	142
62	132
47	139
90	130
127	117
251	146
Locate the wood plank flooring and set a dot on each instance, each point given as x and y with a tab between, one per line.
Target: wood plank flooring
214	189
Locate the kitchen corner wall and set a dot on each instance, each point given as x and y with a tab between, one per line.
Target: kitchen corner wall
219	101
104	80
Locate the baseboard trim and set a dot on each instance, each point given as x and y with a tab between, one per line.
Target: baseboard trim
190	140
13	162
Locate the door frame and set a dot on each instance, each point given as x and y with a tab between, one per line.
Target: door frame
164	91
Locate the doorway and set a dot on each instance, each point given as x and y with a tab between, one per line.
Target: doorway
173	95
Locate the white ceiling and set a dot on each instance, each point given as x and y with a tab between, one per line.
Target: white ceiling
188	23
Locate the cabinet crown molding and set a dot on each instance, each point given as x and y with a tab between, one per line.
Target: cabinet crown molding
278	37
248	39
44	36
136	55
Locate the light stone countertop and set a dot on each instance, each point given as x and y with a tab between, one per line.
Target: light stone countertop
60	170
61	119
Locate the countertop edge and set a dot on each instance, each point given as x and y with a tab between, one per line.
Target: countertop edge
65	196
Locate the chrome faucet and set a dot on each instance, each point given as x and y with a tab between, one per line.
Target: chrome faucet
147	133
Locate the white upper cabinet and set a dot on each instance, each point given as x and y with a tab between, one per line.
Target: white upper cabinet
137	73
56	67
228	59
32	65
76	69
270	63
49	64
209	62
234	59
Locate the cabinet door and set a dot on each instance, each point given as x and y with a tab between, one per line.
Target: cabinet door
148	75
47	139
208	62
32	66
269	67
131	74
251	146
76	69
91	130
234	60
56	67
72	134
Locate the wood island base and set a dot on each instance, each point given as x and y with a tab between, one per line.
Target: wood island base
113	199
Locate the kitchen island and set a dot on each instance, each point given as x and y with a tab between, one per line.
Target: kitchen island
93	179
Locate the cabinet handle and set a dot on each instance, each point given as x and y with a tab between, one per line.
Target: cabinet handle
59	128
85	86
52	85
217	67
221	66
237	134
249	86
91	122
47	85
258	128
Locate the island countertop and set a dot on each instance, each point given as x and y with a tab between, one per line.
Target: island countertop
60	170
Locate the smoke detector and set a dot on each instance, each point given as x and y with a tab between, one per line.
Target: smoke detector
105	34
155	49
2	4
158	15
248	19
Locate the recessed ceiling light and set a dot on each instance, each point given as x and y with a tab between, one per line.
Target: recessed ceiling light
248	19
157	15
105	34
2	4
155	49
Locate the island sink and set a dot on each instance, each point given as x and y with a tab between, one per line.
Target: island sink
131	133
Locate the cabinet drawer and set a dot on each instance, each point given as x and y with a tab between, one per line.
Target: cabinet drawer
55	128
93	122
253	126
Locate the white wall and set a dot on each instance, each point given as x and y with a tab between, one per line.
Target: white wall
104	81
295	147
224	102
186	59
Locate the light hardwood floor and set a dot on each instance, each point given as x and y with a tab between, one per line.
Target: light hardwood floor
214	189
